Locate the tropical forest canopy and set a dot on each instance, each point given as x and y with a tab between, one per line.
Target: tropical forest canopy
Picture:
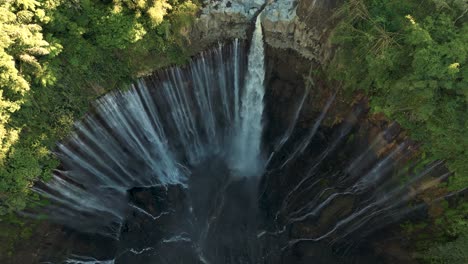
410	58
56	57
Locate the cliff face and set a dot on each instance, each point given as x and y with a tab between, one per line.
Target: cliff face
296	34
222	20
300	25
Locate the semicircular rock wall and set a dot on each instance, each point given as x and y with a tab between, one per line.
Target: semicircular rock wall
300	25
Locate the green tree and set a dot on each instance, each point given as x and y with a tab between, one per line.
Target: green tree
21	42
57	57
410	58
21	48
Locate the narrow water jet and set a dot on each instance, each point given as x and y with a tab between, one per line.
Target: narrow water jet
247	158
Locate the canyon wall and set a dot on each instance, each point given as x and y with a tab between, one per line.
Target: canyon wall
301	25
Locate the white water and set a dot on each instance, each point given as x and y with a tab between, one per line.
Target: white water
157	131
246	158
154	133
88	260
304	143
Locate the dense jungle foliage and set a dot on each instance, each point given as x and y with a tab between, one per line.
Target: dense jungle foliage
56	56
410	58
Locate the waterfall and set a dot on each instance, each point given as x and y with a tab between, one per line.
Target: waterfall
155	133
246	156
177	159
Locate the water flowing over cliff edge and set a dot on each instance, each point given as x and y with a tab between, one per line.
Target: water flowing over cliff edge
238	157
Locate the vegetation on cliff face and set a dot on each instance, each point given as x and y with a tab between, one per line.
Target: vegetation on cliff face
411	59
56	56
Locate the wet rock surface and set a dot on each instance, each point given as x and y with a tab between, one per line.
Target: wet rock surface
213	221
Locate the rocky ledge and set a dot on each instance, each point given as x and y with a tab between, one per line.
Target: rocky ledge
300	25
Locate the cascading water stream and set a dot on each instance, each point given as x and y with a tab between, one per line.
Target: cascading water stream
145	137
246	155
179	155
